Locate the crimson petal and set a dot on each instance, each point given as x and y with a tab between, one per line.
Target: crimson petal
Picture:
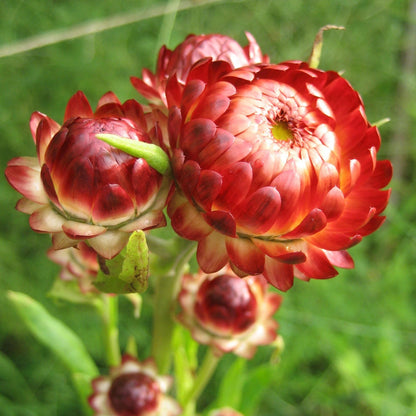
278	274
222	221
317	265
260	211
236	184
245	255
314	222
211	253
112	203
78	106
207	189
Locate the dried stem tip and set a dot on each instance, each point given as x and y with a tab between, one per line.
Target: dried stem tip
315	56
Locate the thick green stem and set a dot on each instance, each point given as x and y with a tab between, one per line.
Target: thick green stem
167	288
204	374
109	313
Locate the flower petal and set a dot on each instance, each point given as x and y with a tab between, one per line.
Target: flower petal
81	231
46	220
211	253
222	221
245	255
146	221
340	259
207	189
186	220
23	173
314	222
236	184
317	265
279	275
260	211
78	106
109	244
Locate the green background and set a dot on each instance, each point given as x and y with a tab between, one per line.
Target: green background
350	342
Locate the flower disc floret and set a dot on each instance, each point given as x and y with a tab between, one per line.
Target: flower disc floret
276	169
133	389
80	188
227	312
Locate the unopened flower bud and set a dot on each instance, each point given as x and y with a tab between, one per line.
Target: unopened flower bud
230	313
82	189
133	389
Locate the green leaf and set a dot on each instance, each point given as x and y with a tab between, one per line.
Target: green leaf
135	269
9	408
257	381
68	290
153	154
185	360
12	383
129	271
231	386
56	336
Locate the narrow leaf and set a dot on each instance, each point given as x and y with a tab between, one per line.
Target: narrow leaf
230	390
56	336
12	383
154	155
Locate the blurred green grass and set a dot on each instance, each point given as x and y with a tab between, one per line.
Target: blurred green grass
350	341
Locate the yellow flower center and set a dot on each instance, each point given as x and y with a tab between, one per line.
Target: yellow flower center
281	131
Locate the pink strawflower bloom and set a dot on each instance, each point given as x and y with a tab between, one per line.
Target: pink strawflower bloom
133	389
80	188
277	171
229	313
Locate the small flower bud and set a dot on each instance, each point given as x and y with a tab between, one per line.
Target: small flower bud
133	389
230	313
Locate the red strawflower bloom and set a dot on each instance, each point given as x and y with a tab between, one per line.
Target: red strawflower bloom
276	170
229	313
80	188
133	389
194	48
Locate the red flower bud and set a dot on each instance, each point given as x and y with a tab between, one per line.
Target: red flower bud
80	188
133	389
134	394
230	313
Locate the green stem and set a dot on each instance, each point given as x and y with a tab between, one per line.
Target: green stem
109	313
167	288
205	373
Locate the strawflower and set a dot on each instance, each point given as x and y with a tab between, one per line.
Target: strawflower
133	389
277	171
80	188
229	313
194	48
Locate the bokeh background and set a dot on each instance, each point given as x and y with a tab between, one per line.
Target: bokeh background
350	342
